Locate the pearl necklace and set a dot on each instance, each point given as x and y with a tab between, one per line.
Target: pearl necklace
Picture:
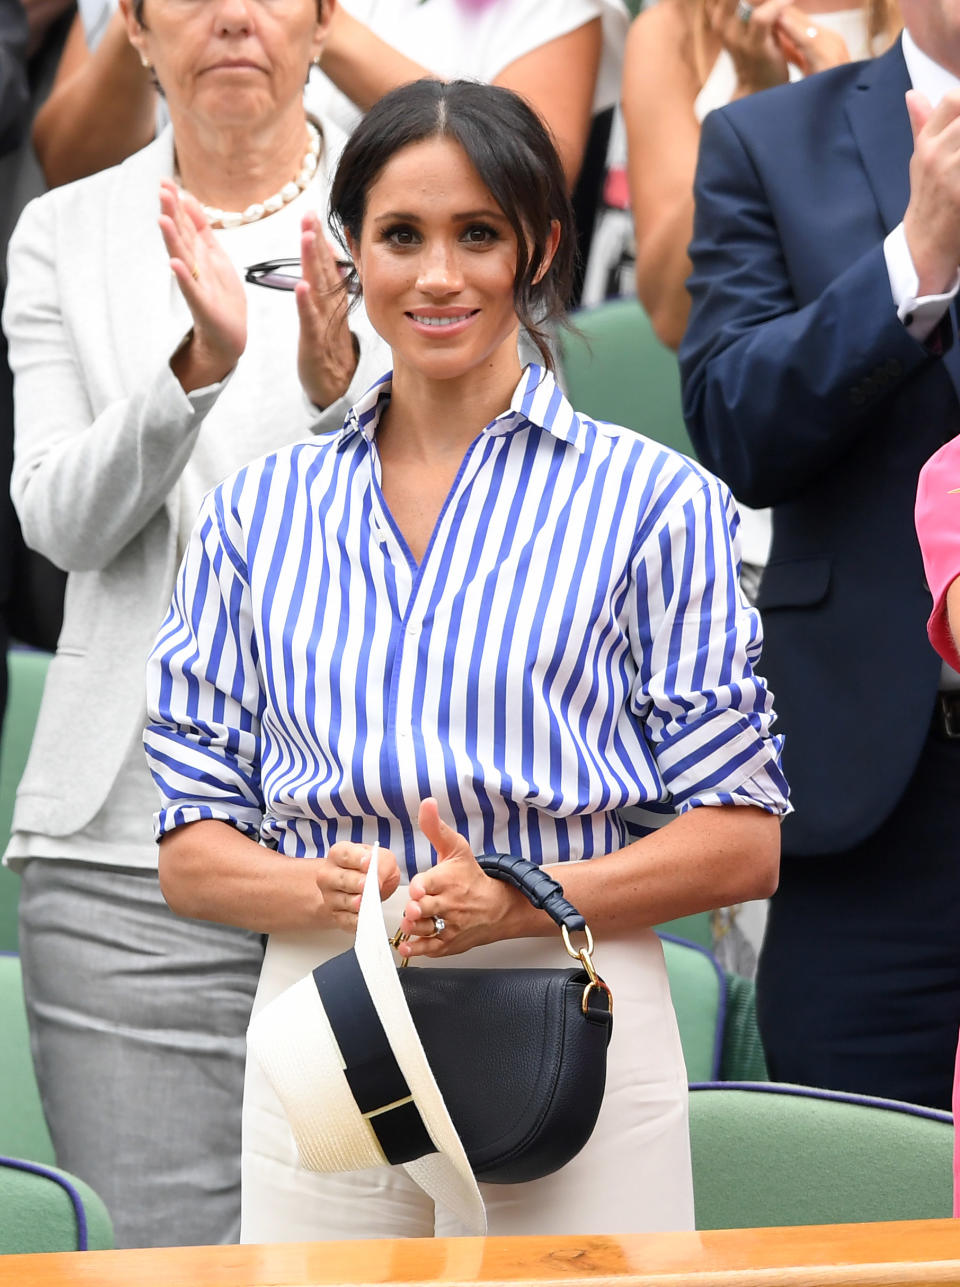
260	209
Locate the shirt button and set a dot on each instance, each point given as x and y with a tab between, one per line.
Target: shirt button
413	630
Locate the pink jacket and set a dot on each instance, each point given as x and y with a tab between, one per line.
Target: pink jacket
938	526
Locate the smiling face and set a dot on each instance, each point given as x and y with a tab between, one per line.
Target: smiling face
230	61
437	260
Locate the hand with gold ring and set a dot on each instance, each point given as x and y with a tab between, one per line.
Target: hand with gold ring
211	287
806	44
455	905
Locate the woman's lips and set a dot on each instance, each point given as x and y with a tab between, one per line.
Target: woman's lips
446	323
239	65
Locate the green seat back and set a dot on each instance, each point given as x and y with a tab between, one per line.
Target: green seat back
697	989
23	1129
27	671
783	1155
695	929
742	1058
617	370
44	1209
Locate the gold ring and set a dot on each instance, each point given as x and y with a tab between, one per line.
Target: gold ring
194	273
439	925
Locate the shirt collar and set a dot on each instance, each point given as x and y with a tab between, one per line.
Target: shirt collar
932	80
537	399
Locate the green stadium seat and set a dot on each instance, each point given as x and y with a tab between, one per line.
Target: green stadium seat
617	370
23	1129
771	1155
45	1209
27	671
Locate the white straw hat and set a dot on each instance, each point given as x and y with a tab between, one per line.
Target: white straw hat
342	1053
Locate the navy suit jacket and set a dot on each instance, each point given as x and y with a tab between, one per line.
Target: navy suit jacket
803	390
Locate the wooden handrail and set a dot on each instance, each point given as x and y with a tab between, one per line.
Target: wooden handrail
869	1255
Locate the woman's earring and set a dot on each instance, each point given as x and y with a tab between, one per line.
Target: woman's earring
145	63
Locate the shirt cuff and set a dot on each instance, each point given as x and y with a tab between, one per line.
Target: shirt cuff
920	315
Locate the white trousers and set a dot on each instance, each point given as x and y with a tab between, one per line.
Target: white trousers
632	1176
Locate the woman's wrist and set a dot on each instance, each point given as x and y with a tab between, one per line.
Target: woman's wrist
197	364
520	919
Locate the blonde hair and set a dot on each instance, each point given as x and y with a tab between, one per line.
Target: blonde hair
883	27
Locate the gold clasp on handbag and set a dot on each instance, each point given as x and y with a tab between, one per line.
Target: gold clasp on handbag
395	942
585	956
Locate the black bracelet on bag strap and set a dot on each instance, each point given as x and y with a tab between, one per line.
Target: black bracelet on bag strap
547	894
533	882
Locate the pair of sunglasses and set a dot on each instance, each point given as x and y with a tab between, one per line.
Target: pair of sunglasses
275	274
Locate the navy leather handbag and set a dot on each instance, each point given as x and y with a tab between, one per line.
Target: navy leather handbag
520	1055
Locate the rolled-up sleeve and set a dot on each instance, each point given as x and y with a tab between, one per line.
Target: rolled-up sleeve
204	695
706	712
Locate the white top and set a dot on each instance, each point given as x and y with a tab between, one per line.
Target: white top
476	40
572	643
261	405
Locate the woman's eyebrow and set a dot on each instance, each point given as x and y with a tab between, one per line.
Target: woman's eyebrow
484	212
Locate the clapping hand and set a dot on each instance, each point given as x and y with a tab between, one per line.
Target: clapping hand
932	219
327	356
211	287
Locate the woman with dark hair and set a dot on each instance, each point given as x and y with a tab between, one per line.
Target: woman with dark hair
146	369
473	621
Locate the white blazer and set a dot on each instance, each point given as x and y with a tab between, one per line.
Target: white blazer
102	433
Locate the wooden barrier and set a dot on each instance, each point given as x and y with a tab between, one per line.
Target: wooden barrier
869	1255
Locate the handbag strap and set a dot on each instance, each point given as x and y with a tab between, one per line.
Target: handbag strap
533	882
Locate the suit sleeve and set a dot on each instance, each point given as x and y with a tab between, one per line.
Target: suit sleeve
775	393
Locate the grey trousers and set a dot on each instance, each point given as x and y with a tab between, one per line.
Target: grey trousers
138	1023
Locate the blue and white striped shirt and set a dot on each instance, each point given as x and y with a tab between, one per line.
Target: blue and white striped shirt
574	642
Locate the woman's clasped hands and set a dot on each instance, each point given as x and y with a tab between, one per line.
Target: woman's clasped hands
214	293
452	907
763	38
